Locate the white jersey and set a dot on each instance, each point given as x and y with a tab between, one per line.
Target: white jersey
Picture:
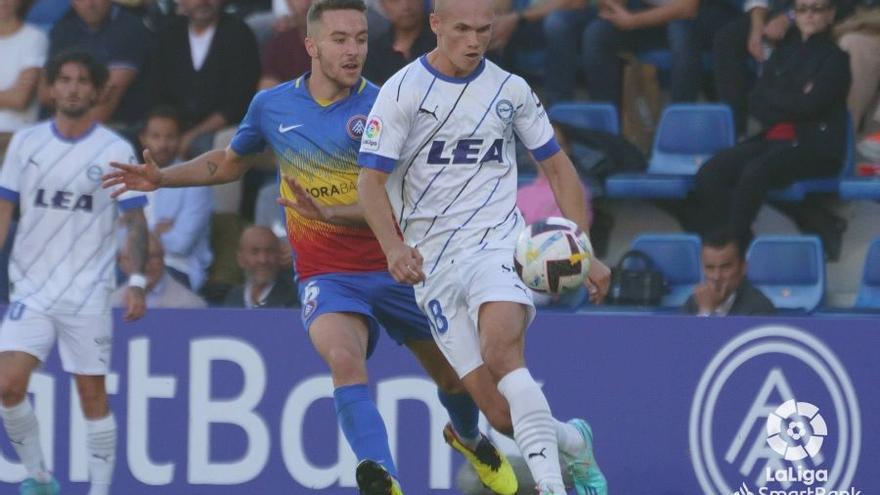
449	146
66	244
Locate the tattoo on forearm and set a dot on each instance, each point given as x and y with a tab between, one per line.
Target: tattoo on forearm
212	168
136	240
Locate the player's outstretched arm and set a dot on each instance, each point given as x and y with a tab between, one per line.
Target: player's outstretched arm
213	167
569	194
404	262
305	205
136	244
6	209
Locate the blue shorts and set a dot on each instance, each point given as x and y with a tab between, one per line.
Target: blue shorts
376	295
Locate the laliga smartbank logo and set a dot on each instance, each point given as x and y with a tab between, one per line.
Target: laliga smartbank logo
751	434
796	430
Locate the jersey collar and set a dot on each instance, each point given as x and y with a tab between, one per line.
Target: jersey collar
458	80
301	88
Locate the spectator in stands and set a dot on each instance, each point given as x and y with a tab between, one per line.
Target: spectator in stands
685	26
285	56
726	290
800	99
409	37
182	216
859	36
24	52
750	36
207	66
45	13
162	290
563	23
265	286
120	41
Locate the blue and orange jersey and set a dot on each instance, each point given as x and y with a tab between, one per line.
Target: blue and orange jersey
318	146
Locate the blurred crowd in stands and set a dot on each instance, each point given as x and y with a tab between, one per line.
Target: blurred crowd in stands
797	75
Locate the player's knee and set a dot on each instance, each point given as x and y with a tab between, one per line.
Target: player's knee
12	390
501	361
346	366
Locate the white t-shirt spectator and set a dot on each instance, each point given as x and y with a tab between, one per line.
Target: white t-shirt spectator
24	49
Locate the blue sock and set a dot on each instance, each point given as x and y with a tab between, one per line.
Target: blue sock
362	425
463	414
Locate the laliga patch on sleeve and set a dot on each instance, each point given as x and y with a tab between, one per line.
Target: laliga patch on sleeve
372	134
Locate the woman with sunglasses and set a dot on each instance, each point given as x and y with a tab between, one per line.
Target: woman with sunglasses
800	101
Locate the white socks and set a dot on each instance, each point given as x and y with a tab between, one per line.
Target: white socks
570	440
24	434
534	428
101	443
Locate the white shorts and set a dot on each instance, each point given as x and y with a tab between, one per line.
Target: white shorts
451	298
84	341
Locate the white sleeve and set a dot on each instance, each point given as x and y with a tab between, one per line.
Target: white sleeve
122	152
386	131
10	174
532	124
36	50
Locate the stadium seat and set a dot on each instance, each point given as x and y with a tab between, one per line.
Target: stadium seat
687	136
589	116
799	190
678	257
869	289
789	270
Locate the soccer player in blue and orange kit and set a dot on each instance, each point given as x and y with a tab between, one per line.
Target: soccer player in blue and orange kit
314	125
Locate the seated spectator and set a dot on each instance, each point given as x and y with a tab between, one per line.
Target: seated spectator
800	99
563	23
859	36
266	286
180	216
24	53
750	36
270	214
726	291
684	26
120	41
206	66
45	13
409	37
284	55
162	290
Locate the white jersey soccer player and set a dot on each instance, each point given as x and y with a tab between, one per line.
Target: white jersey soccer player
449	146
439	152
63	259
62	266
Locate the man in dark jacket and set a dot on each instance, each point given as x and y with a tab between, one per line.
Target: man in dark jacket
266	286
726	290
800	99
207	66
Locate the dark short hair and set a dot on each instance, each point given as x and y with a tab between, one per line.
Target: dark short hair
24	6
164	112
320	6
721	238
98	73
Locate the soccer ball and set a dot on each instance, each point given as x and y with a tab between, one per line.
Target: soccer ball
553	255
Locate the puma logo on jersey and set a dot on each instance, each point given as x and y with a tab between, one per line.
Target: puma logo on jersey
465	152
429	112
63	200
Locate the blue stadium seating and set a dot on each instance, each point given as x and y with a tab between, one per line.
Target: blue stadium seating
589	116
687	136
799	190
790	270
678	257
869	290
860	188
